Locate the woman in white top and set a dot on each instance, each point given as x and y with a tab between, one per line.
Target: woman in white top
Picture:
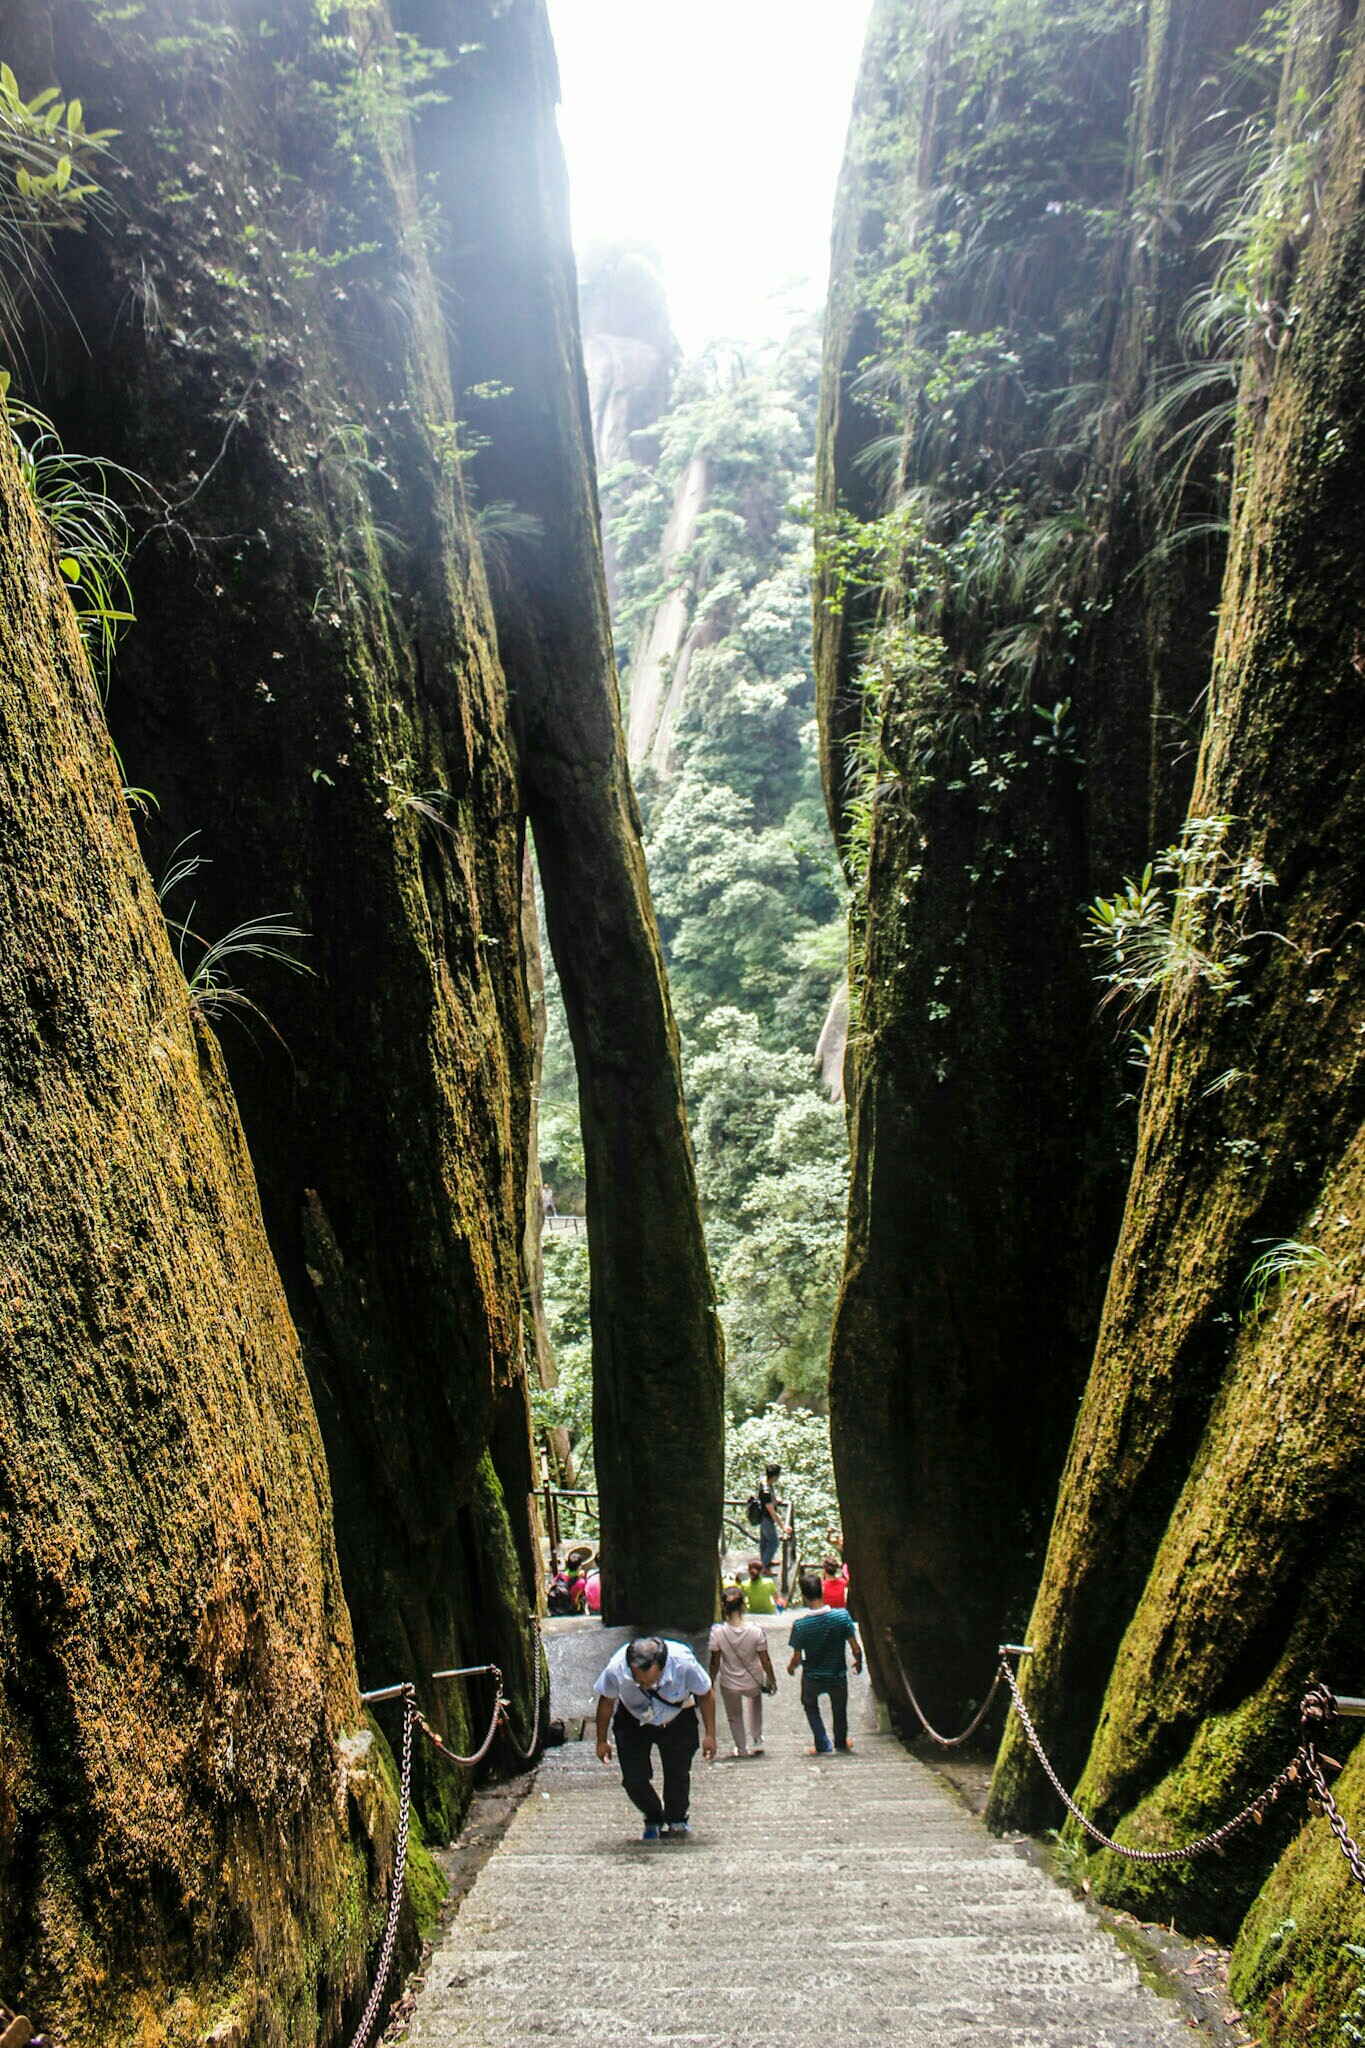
742	1668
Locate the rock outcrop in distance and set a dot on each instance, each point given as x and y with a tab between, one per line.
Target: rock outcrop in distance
630	354
493	152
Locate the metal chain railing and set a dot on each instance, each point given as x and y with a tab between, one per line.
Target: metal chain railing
499	1704
1318	1710
1202	1846
527	1755
360	2039
414	1718
943	1741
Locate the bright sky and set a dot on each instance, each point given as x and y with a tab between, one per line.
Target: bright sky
713	129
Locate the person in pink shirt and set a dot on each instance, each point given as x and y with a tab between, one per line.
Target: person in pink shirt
592	1591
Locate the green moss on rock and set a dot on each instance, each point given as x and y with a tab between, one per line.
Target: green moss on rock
176	1667
1292	1965
993	750
1210	1516
313	691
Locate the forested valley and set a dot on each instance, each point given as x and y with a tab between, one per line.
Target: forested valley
866	826
707	531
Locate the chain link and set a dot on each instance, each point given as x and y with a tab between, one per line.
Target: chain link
414	1718
527	1755
1318	1711
1204	1844
453	1756
1322	1792
400	1857
943	1741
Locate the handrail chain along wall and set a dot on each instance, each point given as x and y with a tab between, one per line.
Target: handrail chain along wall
414	1718
400	1854
1318	1710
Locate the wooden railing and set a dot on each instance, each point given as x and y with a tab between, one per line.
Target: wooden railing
561	1505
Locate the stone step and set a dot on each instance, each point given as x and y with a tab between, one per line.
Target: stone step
823	1904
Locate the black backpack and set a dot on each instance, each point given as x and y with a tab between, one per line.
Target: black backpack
753	1508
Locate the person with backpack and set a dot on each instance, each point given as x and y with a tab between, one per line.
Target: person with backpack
818	1638
740	1664
771	1527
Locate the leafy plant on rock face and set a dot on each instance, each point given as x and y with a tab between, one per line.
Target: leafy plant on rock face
430	805
212	980
88	525
1183	922
212	983
46	157
1273	1269
1253	186
502	528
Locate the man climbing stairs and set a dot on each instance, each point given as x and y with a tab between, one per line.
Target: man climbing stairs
817	1904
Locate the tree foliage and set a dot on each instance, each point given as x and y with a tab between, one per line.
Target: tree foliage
749	901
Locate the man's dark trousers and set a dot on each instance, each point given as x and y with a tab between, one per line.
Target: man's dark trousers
837	1688
676	1741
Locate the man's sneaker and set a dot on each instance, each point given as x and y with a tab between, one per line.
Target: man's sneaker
651	1832
676	1827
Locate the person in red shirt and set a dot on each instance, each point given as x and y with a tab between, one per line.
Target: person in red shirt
835	1584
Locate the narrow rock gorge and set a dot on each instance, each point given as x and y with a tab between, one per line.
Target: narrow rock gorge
1034	576
334	738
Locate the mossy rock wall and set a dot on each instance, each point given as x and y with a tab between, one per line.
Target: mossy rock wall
312	690
183	1844
517	363
1206	1560
988	216
1293	1963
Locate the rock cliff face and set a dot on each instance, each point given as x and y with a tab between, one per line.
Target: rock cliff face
495	158
1203	1564
1219	1459
316	689
312	691
995	741
183	1845
631	359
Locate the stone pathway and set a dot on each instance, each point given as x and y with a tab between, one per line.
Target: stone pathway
817	1905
